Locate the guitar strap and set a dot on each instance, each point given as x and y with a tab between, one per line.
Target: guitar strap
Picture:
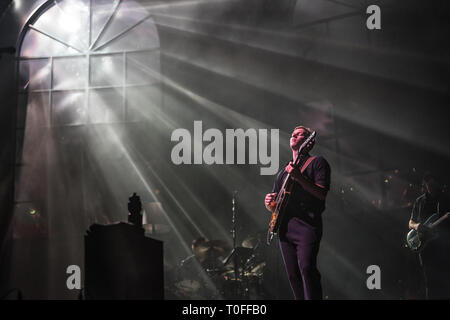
306	164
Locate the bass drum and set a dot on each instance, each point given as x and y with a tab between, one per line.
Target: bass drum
248	288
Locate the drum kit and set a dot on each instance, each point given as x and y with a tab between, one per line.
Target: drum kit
217	271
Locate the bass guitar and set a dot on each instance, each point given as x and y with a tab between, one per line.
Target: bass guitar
416	241
282	197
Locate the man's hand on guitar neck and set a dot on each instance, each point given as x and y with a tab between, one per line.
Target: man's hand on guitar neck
270	201
316	190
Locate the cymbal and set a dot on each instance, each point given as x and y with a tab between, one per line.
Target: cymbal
253	240
212	249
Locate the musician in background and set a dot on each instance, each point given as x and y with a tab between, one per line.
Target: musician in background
301	227
435	257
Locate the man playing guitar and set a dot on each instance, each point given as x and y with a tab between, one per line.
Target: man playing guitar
300	230
435	257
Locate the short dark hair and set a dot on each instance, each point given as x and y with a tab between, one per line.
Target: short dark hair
304	128
428	176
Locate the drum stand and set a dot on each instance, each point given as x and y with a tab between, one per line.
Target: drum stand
239	256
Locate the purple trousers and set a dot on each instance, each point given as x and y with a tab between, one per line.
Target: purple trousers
299	243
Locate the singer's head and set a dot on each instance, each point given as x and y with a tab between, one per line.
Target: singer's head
298	136
431	183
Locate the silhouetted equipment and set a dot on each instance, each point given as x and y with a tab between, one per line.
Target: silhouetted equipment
134	210
121	263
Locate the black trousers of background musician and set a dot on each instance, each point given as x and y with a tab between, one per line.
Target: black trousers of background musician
435	260
299	242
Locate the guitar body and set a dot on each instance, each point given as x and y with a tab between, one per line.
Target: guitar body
280	205
416	241
283	195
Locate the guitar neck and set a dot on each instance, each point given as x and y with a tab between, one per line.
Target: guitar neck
287	177
435	224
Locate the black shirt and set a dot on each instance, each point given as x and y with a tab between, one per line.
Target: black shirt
301	203
426	205
423	208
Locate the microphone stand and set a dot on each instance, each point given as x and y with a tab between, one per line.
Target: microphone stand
235	253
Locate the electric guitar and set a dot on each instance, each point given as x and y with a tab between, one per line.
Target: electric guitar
282	197
416	241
